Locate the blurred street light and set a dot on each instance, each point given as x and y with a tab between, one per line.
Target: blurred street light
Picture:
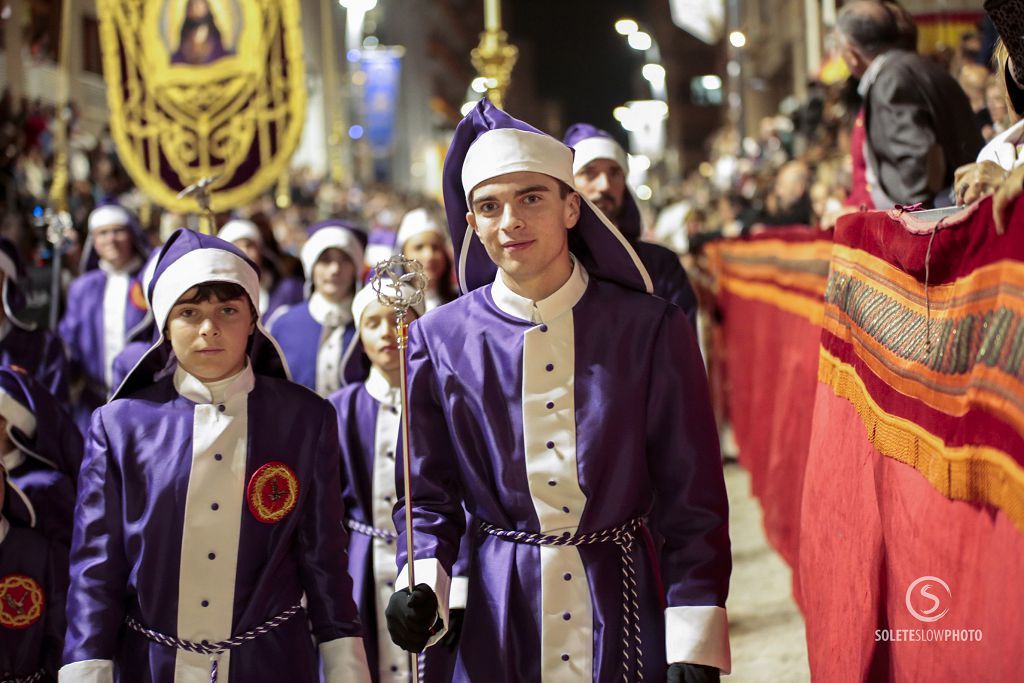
737	39
358	5
654	73
639	40
711	82
626	27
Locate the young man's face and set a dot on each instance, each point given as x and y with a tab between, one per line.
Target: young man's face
522	221
378	334
113	244
209	337
603	182
334	275
429	249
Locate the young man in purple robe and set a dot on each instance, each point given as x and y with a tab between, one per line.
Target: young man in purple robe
33	580
315	333
567	409
369	423
41	449
275	290
104	304
209	541
600	167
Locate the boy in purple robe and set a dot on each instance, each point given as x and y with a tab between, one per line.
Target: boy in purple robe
41	449
369	421
104	304
209	541
33	580
22	344
315	333
568	410
600	167
275	291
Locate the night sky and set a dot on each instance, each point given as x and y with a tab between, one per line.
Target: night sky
580	60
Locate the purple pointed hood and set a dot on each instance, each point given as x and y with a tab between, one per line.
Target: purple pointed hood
503	145
12	296
37	424
590	143
188	259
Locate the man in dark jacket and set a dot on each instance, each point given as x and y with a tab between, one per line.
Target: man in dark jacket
920	126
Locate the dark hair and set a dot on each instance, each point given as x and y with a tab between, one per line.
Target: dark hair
872	27
219	291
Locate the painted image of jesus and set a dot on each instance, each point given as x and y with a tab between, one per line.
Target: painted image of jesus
200	40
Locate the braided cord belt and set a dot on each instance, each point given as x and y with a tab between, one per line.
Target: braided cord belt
623	536
215	649
368	530
31	678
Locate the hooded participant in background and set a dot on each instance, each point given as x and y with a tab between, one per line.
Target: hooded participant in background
39	352
232	472
33	582
423	238
369	418
104	304
600	167
567	409
315	333
41	450
275	290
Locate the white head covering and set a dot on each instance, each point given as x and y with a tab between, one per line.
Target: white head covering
417	222
109	214
330	237
598	147
240	229
509	150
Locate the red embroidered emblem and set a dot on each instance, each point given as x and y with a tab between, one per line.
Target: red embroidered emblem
273	492
137	296
21	601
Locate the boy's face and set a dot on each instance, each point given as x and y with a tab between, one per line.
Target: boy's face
209	338
377	333
522	221
334	275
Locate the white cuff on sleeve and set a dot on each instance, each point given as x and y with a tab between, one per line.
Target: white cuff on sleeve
698	635
458	592
344	661
87	671
430	572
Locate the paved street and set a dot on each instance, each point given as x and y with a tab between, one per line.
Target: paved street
766	628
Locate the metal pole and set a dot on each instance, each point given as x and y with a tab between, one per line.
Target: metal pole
403	337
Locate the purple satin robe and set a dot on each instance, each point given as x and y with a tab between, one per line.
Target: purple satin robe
52	495
82	327
357	419
41	354
646	446
126	549
25	651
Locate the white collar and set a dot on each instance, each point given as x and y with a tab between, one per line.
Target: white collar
197	391
380	389
128	269
321	309
5	526
545	310
871	73
13	460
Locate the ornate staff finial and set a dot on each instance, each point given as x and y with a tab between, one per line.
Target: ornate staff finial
400	283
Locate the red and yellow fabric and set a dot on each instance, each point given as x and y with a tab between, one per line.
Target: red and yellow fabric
916	462
770	293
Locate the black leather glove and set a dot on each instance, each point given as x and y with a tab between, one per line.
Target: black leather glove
692	673
451	636
412	617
